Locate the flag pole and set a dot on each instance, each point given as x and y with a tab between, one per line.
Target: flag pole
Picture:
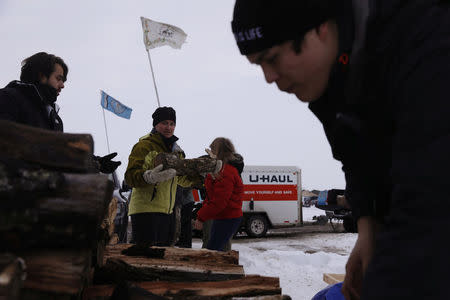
153	76
106	130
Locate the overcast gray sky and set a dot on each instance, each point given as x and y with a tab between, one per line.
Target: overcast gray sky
213	89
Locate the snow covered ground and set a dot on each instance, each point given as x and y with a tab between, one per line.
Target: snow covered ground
298	261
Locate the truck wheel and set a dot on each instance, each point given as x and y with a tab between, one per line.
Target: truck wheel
350	225
256	226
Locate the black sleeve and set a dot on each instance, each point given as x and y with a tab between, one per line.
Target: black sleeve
9	109
365	157
421	142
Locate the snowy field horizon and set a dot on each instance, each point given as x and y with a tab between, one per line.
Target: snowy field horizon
299	262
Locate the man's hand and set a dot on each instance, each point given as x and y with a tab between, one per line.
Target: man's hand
106	165
156	175
198	225
359	258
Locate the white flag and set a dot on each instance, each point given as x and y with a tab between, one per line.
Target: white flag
159	34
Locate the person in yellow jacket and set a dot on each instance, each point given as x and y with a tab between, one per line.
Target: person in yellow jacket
154	189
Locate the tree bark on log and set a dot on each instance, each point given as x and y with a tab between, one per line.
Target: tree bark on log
21	184
191	167
70	217
49	149
11	276
116	269
63	272
248	286
199	256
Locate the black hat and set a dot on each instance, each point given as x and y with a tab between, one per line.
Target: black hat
162	114
261	24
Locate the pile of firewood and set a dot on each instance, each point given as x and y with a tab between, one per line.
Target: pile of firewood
56	224
53	203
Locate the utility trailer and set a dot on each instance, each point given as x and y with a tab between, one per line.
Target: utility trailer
272	198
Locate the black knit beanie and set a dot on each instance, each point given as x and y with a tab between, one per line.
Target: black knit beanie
261	24
162	114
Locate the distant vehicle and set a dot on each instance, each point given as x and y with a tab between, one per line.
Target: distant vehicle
327	201
272	198
309	201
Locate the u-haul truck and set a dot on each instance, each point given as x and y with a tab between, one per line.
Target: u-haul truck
272	198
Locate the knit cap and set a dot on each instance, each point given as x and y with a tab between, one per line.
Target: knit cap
261	24
162	114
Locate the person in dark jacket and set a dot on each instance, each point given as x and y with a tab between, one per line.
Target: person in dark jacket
184	205
223	203
32	100
376	74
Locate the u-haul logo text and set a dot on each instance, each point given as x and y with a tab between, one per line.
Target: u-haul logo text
270	178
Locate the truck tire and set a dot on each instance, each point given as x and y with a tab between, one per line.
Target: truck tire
256	226
350	225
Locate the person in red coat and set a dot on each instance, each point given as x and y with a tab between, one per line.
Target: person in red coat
223	203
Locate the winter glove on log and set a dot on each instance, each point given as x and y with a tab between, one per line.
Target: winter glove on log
218	163
156	175
106	165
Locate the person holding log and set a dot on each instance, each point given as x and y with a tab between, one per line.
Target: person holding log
154	188
32	100
223	203
238	163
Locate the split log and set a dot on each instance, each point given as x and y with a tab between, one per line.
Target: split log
12	274
69	217
191	167
199	256
248	286
21	183
117	269
107	224
49	149
56	272
333	278
196	265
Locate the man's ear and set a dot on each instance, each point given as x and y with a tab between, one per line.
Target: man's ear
326	29
42	78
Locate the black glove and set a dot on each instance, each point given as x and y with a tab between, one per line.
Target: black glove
106	165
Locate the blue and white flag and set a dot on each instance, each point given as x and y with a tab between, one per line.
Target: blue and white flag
111	104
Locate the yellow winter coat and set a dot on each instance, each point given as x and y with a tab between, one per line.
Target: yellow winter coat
155	198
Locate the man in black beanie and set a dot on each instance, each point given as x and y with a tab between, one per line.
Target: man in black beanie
32	100
153	196
376	74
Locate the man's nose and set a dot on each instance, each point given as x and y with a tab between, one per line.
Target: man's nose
62	85
269	73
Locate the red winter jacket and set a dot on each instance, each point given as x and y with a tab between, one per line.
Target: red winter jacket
224	196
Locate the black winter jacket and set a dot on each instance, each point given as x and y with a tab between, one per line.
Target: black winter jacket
386	113
22	103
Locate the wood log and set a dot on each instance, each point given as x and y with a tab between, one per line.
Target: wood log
193	167
333	278
108	221
248	286
69	217
19	180
196	265
199	256
52	274
12	274
49	149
